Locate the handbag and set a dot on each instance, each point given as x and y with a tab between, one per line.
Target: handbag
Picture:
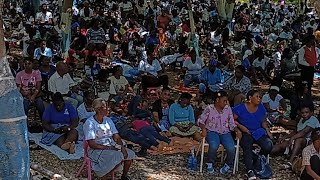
262	168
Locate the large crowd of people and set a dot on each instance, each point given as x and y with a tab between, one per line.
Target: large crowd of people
112	75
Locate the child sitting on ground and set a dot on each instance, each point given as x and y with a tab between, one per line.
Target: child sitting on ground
310	158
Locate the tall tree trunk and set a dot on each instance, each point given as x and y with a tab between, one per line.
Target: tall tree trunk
14	149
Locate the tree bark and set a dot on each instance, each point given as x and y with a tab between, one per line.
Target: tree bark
14	149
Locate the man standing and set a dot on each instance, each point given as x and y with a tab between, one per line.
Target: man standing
308	56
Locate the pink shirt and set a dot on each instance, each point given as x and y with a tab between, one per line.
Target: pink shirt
138	124
221	123
28	81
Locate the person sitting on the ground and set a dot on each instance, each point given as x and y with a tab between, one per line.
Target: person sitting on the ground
138	108
260	64
310	158
92	68
43	50
237	86
150	70
192	66
182	120
59	122
211	78
95	36
150	133
216	123
61	81
301	97
276	106
298	139
106	149
119	87
251	120
85	109
47	71
29	83
160	111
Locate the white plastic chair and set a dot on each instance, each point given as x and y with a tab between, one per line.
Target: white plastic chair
236	159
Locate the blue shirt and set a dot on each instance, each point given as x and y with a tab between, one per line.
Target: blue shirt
47	52
64	117
252	121
180	114
211	78
246	63
152	41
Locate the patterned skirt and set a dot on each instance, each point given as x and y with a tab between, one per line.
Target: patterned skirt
190	132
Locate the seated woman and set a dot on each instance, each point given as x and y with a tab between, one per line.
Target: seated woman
216	123
95	36
85	111
47	71
301	97
106	149
160	111
192	67
310	158
138	108
150	70
237	86
251	120
92	68
29	83
299	138
119	87
211	78
182	120
59	122
275	106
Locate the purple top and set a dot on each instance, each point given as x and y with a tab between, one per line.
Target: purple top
221	123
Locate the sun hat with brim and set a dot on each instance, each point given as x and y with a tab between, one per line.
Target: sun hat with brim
276	88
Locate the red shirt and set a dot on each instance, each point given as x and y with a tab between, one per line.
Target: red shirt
138	124
310	56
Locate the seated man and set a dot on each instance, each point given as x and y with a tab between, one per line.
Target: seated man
310	158
61	82
211	77
59	122
298	139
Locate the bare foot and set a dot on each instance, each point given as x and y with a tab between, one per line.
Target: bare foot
66	146
153	148
72	149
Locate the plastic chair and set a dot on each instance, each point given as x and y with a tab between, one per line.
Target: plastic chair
86	161
236	159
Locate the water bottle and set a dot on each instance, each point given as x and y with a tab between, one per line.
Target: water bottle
194	160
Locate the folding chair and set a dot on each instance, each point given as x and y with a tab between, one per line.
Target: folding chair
236	159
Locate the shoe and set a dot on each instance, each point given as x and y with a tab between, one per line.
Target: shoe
251	175
210	168
225	169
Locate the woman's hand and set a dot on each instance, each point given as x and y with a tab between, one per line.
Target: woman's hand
269	134
204	133
238	135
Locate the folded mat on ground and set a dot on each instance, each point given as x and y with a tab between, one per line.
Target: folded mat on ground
61	154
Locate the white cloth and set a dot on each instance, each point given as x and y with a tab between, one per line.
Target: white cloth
273	104
83	113
117	85
40	16
153	68
193	69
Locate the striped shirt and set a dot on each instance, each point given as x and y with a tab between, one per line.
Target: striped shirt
96	37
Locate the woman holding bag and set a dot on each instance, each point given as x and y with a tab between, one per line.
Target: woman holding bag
216	123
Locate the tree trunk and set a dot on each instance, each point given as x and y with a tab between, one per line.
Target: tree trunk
14	149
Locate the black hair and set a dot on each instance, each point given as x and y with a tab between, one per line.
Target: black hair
87	93
251	93
185	95
166	89
241	68
57	97
115	69
302	106
219	94
315	134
